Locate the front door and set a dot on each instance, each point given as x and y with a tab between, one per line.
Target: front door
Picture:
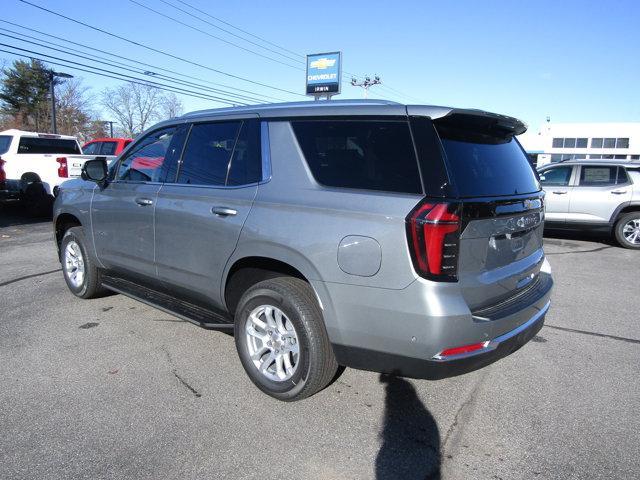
122	213
200	215
556	183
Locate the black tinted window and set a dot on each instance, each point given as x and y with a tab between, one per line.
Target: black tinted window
596	143
370	155
581	143
556	176
5	143
246	164
485	163
48	145
609	143
207	154
557	142
92	149
598	175
145	161
108	148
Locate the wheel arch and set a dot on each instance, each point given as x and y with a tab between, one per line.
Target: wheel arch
64	222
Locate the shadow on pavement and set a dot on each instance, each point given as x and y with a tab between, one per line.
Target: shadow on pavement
557	236
14	214
410	436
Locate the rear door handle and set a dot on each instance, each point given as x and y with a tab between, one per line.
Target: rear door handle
144	202
223	211
559	193
619	192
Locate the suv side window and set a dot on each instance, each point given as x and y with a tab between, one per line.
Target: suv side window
598	175
246	163
205	160
145	161
362	154
558	176
622	176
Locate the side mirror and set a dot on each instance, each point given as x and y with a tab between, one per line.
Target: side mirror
95	170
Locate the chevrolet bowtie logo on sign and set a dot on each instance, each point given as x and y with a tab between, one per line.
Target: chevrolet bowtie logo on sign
323	74
322	63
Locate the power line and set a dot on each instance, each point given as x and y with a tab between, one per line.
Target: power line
155	67
152	49
173	19
238	28
113	63
136	80
297	58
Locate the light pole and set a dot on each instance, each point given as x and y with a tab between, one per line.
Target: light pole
52	76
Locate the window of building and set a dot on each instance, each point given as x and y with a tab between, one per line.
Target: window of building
569	143
595	157
609	143
620	157
622	143
581	143
558	142
607	157
634	157
596	142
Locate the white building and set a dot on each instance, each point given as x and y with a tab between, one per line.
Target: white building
555	142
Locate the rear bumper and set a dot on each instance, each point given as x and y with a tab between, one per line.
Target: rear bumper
404	331
436	369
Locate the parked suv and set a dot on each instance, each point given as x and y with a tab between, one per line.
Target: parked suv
594	195
392	238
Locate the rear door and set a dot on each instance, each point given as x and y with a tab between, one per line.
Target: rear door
600	190
500	249
122	212
556	182
200	213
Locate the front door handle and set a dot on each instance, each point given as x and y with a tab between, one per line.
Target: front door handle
223	211
619	192
559	193
144	202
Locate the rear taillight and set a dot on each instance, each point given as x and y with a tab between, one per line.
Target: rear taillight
3	174
63	171
433	233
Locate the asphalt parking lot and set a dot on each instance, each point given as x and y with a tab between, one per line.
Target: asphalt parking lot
112	388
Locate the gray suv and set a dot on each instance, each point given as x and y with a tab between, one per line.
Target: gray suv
374	235
594	195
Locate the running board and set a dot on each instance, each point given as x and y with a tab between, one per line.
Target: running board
195	314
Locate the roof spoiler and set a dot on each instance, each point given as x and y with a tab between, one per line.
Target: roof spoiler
493	121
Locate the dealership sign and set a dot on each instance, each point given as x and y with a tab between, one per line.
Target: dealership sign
323	74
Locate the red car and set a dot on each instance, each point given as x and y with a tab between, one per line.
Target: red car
106	146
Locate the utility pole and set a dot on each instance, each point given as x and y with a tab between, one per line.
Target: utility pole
366	83
52	76
110	127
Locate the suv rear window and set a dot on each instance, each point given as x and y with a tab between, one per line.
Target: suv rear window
362	154
48	145
5	143
485	160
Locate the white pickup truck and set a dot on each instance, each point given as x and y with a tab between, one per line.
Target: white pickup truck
33	165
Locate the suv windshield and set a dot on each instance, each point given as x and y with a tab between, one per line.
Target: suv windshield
5	142
48	145
484	160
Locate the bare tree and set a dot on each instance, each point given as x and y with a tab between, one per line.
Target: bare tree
74	112
136	107
171	106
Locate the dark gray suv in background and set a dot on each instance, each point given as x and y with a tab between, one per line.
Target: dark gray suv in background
369	234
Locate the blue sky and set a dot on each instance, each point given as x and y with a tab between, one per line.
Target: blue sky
574	61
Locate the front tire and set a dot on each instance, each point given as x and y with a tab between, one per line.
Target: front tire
79	269
627	230
281	339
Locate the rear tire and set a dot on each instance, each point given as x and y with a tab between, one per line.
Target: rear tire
627	230
282	341
79	270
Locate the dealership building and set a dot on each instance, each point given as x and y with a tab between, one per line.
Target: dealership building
555	142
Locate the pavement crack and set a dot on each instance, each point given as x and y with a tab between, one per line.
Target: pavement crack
456	419
33	275
177	375
595	334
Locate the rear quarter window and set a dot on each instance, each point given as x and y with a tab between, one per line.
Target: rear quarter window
360	154
486	162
